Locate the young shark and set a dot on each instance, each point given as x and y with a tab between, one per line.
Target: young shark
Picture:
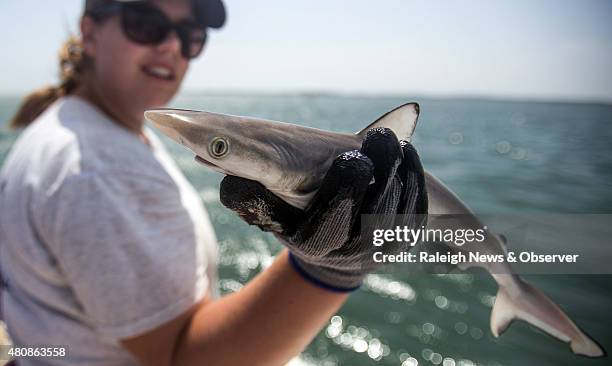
291	161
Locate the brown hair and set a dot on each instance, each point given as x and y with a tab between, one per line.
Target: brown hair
71	63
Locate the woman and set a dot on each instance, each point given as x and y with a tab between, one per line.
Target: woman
106	248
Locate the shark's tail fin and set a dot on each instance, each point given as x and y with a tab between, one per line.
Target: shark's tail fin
527	303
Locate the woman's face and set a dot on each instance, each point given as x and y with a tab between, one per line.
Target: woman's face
129	77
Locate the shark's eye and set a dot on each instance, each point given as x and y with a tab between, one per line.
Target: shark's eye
219	147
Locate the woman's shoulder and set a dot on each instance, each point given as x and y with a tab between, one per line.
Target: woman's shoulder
73	135
103	144
71	122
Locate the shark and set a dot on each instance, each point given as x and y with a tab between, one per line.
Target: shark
291	161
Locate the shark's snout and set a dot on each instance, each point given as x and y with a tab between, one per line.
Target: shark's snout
158	116
176	124
189	128
166	121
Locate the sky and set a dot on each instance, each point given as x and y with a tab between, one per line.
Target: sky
519	49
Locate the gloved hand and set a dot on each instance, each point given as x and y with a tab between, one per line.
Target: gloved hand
325	240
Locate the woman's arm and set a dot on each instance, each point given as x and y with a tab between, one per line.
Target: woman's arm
269	321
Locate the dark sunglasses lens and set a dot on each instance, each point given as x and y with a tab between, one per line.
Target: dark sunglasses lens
144	24
193	42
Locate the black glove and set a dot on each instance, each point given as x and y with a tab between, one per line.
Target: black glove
325	240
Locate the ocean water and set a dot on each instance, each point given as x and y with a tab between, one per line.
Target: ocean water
499	157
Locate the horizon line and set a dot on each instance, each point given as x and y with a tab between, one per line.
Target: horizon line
400	94
381	94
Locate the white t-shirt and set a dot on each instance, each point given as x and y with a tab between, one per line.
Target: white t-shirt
101	236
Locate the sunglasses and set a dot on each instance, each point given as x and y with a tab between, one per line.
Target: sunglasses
145	24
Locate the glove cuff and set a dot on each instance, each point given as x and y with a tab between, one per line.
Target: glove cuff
326	278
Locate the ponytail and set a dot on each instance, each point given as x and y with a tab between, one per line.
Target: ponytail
71	62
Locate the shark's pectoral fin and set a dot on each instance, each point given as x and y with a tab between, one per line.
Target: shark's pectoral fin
401	120
531	305
503	313
296	198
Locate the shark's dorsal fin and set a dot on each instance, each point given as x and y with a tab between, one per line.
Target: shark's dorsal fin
401	120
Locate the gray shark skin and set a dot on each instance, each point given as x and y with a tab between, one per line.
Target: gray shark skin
291	161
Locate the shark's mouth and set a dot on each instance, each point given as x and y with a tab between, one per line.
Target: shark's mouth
208	164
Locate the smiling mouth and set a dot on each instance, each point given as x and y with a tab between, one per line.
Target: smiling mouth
158	72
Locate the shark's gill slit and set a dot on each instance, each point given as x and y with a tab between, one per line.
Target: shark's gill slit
219	147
